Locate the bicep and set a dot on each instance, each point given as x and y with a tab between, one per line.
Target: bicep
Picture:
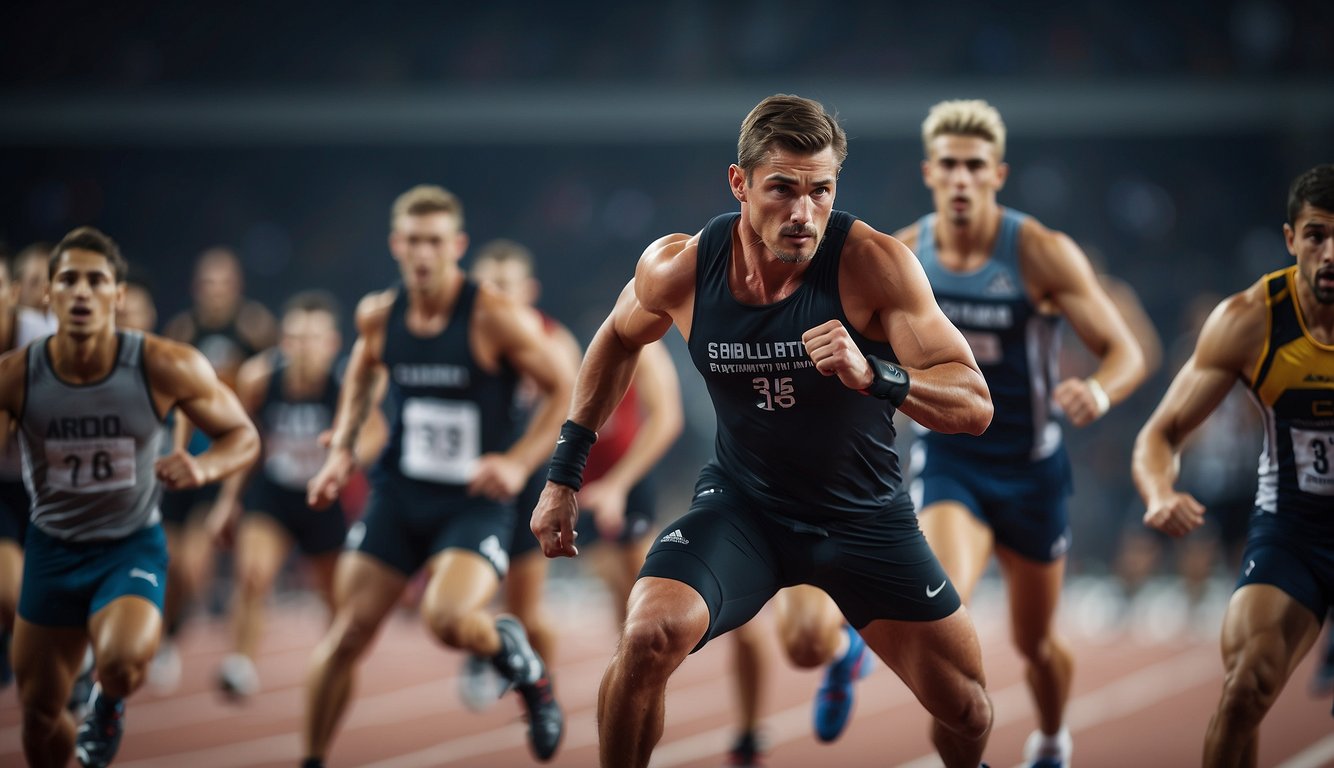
1194	394
206	402
921	334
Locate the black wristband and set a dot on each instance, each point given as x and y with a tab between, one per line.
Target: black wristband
888	381
571	454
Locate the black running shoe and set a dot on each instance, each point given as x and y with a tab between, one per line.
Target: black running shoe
519	664
99	737
746	751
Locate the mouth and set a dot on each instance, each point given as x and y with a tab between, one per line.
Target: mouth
80	313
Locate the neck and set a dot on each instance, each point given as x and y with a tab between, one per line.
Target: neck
84	358
1318	317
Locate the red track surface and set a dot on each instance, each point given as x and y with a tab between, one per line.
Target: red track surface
1136	702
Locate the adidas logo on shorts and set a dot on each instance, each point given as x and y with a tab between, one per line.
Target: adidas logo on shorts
674	537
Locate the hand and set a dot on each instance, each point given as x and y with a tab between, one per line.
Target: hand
1074	397
498	477
834	353
607	502
324	487
222	521
553	520
179	471
1177	515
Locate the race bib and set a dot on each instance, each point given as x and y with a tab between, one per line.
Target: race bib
442	440
90	466
1313	452
986	346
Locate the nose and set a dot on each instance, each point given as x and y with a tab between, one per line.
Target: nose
801	210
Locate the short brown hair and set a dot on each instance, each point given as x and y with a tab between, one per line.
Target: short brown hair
1315	186
965	117
502	249
89	239
425	199
793	123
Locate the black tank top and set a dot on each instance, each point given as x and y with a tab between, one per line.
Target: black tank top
446	411
800	444
291	427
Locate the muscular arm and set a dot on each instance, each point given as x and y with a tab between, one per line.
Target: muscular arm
947	393
180	376
362	386
1056	270
1229	343
661	291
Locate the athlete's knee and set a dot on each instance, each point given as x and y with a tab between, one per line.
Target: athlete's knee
971	715
1037	645
121	673
449	623
1250	687
809	645
657	642
348	639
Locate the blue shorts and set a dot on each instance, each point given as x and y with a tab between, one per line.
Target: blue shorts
15	509
66	582
315	532
407	522
736	556
640	511
1024	503
1291	557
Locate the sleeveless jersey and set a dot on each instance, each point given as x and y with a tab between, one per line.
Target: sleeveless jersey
445	410
799	443
29	326
89	449
1016	346
223	346
291	428
1293	384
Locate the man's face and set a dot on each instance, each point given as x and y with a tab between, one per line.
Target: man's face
963	175
425	246
217	286
1311	241
84	293
31	283
509	276
788	199
310	339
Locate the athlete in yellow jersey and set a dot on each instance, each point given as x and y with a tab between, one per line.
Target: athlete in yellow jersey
1277	338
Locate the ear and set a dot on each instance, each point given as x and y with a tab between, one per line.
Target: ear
736	180
926	173
1290	238
393	241
1002	173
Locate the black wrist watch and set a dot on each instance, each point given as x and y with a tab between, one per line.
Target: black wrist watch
888	381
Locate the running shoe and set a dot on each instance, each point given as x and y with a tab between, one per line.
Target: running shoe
480	685
746	751
237	677
164	671
833	701
1039	754
524	670
82	692
98	737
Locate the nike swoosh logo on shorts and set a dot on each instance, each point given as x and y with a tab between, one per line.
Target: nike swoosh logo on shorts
933	592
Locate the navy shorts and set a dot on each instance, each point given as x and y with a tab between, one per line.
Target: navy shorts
315	532
15	508
66	582
1297	560
1024	503
640	510
737	556
407	522
178	506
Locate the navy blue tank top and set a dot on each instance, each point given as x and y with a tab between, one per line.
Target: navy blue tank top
445	410
290	427
1015	345
798	443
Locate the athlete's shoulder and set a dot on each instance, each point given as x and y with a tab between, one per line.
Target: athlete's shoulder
909	235
1234	334
372	313
13	374
665	275
869	247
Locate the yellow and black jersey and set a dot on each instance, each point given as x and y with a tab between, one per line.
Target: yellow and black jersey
1293	384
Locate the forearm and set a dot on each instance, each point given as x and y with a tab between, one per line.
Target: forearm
1121	371
950	398
354	408
1154	465
232	451
533	448
650	443
603	379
